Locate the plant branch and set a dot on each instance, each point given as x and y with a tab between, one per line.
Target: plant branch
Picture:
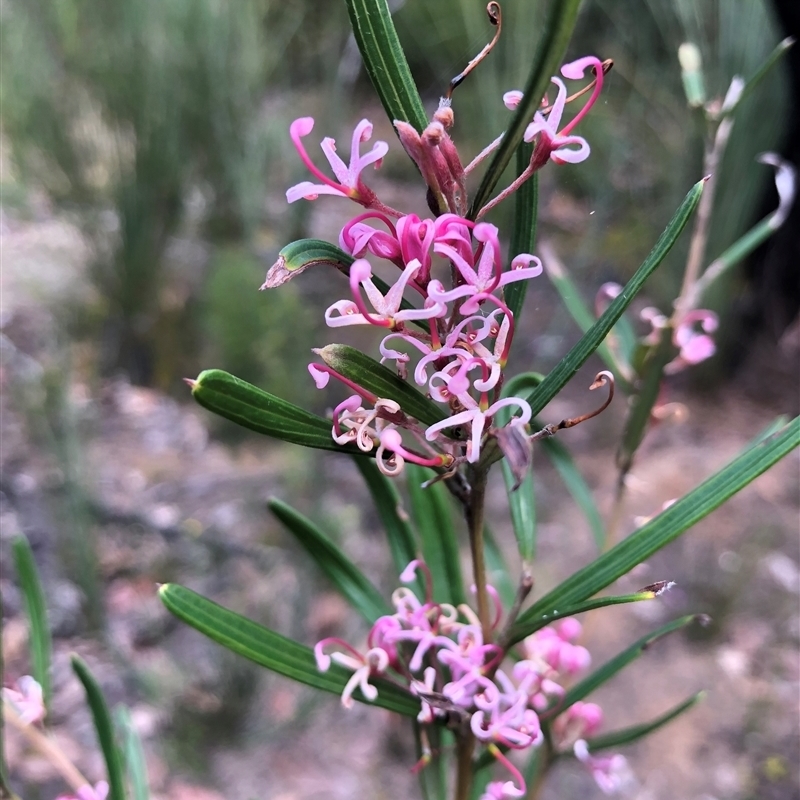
474	515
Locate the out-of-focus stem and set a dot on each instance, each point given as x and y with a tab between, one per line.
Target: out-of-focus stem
465	747
523	590
711	163
474	515
47	747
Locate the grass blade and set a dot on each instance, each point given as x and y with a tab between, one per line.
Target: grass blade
353	585
668	525
273	651
104	728
33	597
591	340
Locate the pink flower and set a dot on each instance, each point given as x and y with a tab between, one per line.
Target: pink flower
611	773
577	722
348	176
355	312
695	345
476	419
554	143
375	662
27	699
98	792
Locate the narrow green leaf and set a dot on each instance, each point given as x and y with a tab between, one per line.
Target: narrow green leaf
343	573
531	625
41	644
273	651
576	485
590	341
522	501
668	525
104	728
635	732
523	239
497	569
382	381
400	535
433	517
297	257
385	61
260	411
769	62
584	318
135	764
638	416
432	743
549	55
610	668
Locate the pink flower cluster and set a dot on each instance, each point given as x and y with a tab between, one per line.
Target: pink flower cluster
438	652
458	330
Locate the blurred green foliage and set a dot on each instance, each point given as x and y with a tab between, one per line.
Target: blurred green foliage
260	337
154	122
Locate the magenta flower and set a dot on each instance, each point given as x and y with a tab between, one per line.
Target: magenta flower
27	699
97	792
577	722
348	183
389	315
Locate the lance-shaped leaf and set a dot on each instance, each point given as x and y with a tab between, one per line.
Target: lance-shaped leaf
591	340
523	239
610	668
399	533
549	55
41	645
433	517
385	61
104	728
135	764
260	411
667	526
297	257
531	625
354	586
635	732
642	403
383	382
273	651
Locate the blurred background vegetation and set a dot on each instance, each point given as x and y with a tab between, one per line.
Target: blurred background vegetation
159	131
156	126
